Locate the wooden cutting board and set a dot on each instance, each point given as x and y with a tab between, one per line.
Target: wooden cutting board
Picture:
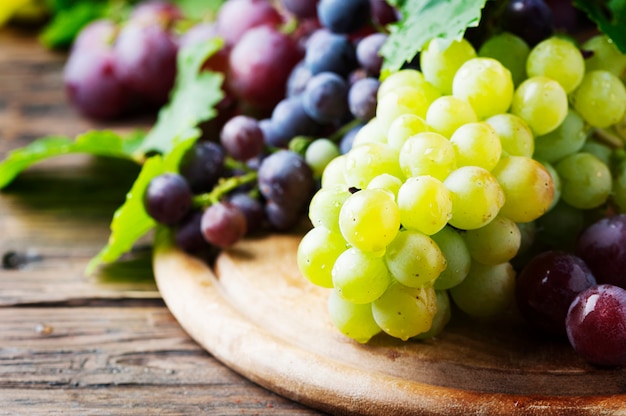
257	315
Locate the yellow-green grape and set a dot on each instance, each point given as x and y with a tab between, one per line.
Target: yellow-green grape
365	162
567	139
558	59
556	179
439	65
371	132
441	318
319	153
486	84
476	197
414	259
605	56
405	312
427	154
511	50
403	127
448	113
334	172
401	100
360	277
602	151
585	181
477	144
495	243
386	182
542	103
425	204
516	137
528	188
326	204
600	99
369	220
457	258
488	290
411	78
352	320
317	252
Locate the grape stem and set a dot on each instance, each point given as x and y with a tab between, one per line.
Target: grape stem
224	186
610	139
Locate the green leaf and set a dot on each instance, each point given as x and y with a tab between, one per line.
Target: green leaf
424	20
192	102
97	143
200	8
610	16
67	22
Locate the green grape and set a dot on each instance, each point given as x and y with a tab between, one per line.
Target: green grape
387	182
401	100
486	84
476	197
516	137
414	259
495	243
510	50
439	65
600	99
558	59
410	78
565	140
527	185
334	172
403	127
317	252
559	227
352	320
425	204
488	290
360	277
319	153
369	220
405	312
365	162
326	204
542	103
605	56
427	154
477	144
585	181
556	179
371	132
448	113
457	258
599	150
441	318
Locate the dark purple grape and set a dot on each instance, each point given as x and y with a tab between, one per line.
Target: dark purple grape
546	287
288	121
252	209
236	17
260	65
223	224
531	20
92	86
168	198
299	77
325	98
346	141
160	11
282	217
383	13
602	246
362	98
596	325
330	52
343	16
367	53
302	9
188	234
242	138
146	61
203	165
285	178
98	34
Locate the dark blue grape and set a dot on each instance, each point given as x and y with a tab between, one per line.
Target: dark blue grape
252	209
362	98
343	16
188	234
325	98
346	141
203	165
288	121
168	198
368	53
299	77
302	9
281	217
285	178
330	52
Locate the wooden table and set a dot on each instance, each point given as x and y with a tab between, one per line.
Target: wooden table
72	344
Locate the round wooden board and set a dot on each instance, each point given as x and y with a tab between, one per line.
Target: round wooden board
257	315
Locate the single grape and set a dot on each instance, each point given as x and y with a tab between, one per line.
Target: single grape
567	139
476	144
408	78
360	277
188	234
414	259
600	98
236	17
362	98
369	160
368	53
606	56
99	33
326	204
371	132
319	153
352	320
343	16
168	198
558	59
242	138
288	121
298	79
510	50
531	20
542	103
440	65
427	154
495	243
441	317
456	253
223	224
404	127
448	113
325	98
283	216
285	178
334	174
202	166
317	252
252	208
401	101
387	182
516	137
330	52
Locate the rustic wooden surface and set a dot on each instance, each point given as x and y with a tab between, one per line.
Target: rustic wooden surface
76	345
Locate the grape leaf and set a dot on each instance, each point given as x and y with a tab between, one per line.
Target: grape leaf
610	16
98	143
68	22
192	101
426	19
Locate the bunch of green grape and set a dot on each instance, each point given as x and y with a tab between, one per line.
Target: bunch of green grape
439	191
